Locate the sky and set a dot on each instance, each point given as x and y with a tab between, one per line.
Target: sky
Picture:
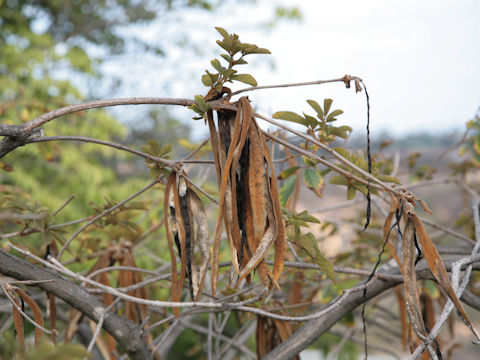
420	60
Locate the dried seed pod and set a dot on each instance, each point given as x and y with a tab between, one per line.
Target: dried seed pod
410	277
187	225
249	204
434	262
202	239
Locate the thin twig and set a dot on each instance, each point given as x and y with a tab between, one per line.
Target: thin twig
68	223
109	210
64	204
27	282
96	334
346	78
332	152
23	232
336	350
120	268
319	159
202	330
448	231
13	216
157	159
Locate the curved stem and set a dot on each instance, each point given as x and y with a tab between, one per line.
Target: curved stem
42	119
346	79
159	160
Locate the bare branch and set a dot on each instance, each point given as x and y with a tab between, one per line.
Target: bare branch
42	119
329	316
346	79
13	216
109	210
96	334
125	332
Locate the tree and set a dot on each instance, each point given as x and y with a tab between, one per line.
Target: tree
260	217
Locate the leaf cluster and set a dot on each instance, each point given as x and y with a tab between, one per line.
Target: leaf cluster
311	176
161	151
235	52
321	126
380	172
307	242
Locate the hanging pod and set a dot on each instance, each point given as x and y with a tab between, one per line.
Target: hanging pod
414	230
249	206
187	229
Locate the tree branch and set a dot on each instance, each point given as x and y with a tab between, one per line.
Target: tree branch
310	332
346	79
19	135
128	334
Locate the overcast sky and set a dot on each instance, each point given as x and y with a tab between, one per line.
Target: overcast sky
420	60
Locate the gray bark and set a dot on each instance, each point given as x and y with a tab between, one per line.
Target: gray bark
313	329
125	332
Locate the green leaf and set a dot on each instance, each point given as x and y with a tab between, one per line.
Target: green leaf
287	173
147	149
290	116
345	128
309	161
240	62
311	121
340	132
79	59
344	152
197	109
207	81
333	114
218	88
351	192
431	289
463	150
297	222
213	77
312	179
224	45
200	101
388	178
245	78
164	150
226	57
228	74
476	144
217	66
361	187
310	245
316	107
287	190
305	216
155	146
338	180
222	31
326	105
155	172
260	51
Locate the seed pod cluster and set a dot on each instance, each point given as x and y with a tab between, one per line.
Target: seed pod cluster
270	333
249	206
120	253
187	229
414	236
